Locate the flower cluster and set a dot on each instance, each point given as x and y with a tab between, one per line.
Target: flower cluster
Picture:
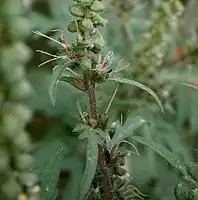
15	145
150	52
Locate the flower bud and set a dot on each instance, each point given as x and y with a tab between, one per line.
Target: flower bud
85	2
87	25
11	189
24	161
97	6
4	160
76	10
72	27
86	63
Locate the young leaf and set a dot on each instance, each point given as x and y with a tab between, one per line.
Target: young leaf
77	82
165	153
140	85
58	72
124	132
91	163
50	175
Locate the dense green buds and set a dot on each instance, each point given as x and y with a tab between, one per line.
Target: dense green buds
4	160
87	25
24	161
85	2
11	189
97	6
86	63
15	148
72	27
76	10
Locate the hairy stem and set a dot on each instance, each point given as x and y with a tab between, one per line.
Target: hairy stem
102	162
107	181
92	100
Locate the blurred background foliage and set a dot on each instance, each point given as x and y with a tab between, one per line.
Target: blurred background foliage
51	126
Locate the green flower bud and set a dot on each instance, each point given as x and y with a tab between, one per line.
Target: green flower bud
16	53
86	63
98	20
87	25
15	74
24	161
11	189
120	171
72	27
20	90
19	28
121	161
11	8
118	182
10	126
2	96
23	113
99	43
85	2
93	32
97	6
76	10
28	179
4	160
22	142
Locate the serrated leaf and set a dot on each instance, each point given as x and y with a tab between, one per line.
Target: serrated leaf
141	86
124	132
50	175
165	153
58	71
91	164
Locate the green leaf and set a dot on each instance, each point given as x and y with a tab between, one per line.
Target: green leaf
190	85
140	85
50	174
80	128
68	79
125	131
91	163
165	153
58	72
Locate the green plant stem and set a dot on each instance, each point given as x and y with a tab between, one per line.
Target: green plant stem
92	100
102	162
107	181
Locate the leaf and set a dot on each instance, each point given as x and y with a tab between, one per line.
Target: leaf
91	163
190	85
140	85
58	72
165	153
77	82
80	128
50	175
124	132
